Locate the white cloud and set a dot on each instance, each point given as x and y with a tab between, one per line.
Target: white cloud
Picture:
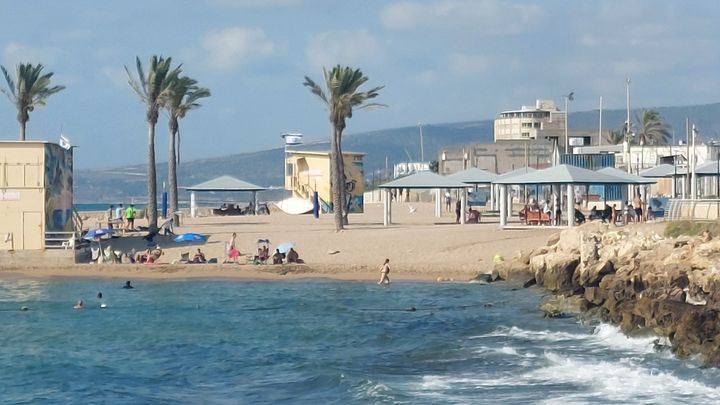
14	53
351	48
232	47
470	64
484	17
117	76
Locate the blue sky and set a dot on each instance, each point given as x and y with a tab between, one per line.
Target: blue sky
440	60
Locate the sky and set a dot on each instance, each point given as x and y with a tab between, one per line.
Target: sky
440	60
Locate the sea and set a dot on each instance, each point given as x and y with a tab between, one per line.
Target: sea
320	342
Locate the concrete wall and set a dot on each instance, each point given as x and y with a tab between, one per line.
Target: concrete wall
22	195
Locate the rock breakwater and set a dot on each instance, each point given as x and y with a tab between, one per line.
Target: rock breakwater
634	278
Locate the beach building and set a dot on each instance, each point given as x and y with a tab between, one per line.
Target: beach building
499	157
541	122
307	172
36	200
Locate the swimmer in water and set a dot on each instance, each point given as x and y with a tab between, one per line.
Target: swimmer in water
127	285
78	305
99	295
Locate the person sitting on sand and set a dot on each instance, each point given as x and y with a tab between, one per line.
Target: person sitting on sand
154	256
277	257
262	255
293	257
384	271
142	257
199	257
79	305
473	216
127	285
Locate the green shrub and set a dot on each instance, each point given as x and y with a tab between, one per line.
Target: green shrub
691	228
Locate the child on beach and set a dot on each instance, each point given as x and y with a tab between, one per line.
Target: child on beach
384	271
232	252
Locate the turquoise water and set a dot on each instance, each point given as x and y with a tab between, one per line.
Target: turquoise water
319	342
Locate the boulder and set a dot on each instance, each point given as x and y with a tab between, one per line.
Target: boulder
570	240
553	239
513	272
557	273
590	276
593	295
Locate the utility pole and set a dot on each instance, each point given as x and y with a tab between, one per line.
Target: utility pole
600	124
693	184
569	97
627	123
422	149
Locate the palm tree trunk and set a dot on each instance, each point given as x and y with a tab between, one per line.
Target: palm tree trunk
23	124
336	179
343	180
151	209
172	175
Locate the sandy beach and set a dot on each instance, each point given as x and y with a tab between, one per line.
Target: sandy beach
419	245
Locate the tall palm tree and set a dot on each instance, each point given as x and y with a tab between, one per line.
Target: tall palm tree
30	89
341	94
653	129
183	97
153	89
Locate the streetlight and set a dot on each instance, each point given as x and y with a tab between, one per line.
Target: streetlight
422	150
569	97
627	122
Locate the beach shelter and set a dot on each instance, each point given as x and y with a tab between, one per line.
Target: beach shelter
631	178
476	177
223	184
423	180
496	189
556	175
663	170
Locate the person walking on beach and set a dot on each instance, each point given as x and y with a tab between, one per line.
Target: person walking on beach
637	204
457	212
384	271
448	201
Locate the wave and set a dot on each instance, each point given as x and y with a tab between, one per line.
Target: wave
515	332
621	381
373	390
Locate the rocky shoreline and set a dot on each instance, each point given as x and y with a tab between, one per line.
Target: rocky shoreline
642	281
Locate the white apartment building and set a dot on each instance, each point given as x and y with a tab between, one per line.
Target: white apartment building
544	121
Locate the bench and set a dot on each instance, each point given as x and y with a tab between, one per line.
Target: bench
536	217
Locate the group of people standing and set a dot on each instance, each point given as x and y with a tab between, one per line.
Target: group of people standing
263	253
122	216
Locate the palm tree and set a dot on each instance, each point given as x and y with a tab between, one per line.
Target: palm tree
153	89
653	129
615	137
341	95
183	97
30	89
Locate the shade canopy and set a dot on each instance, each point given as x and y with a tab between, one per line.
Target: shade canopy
709	168
513	173
563	174
663	170
424	179
226	183
631	178
473	175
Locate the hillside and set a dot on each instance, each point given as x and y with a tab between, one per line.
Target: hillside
265	167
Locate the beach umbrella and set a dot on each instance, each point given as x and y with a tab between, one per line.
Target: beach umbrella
285	247
190	237
97	233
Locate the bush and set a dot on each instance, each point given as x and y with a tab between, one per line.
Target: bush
691	228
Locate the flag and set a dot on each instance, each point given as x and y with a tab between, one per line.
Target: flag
64	142
292	139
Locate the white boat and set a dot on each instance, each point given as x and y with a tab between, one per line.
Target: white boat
295	206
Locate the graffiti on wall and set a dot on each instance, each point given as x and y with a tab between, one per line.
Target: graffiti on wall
354	186
58	189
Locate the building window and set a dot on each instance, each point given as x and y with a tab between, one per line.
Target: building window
536	125
526	134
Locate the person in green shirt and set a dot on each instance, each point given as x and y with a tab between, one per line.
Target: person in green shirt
130	216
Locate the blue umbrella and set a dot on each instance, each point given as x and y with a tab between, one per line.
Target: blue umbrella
96	233
285	247
191	237
263	241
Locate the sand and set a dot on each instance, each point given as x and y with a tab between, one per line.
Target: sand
419	245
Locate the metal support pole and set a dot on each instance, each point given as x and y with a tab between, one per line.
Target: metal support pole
193	205
570	205
463	205
503	205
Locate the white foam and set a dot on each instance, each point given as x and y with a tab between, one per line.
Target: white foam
375	390
545	335
612	337
622	381
508	350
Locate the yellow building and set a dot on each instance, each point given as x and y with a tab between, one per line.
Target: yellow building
36	197
309	171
